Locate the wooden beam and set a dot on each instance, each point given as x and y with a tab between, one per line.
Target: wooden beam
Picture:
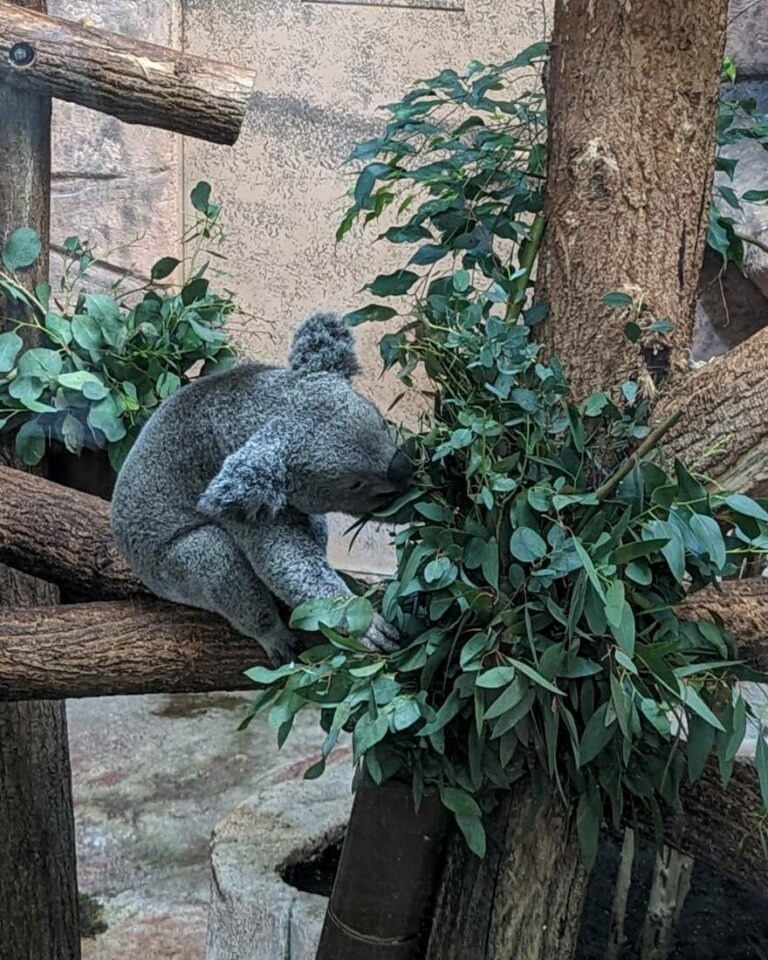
134	81
125	647
723	432
63	536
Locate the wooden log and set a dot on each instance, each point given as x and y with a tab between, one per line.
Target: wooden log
63	536
125	647
723	432
149	646
134	81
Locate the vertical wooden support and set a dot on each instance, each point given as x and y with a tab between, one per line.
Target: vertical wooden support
38	885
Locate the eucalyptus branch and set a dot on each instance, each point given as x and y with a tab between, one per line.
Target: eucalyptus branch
649	443
528	252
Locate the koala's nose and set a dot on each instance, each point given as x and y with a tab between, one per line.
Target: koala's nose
400	470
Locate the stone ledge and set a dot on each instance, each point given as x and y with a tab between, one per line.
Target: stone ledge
254	914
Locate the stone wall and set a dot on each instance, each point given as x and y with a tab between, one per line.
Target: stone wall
733	305
114	183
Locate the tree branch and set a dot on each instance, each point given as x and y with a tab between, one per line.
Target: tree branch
62	536
126	647
724	429
134	81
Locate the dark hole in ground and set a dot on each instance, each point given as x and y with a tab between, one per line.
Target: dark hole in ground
315	875
720	921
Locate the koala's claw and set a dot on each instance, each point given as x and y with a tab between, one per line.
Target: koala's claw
381	636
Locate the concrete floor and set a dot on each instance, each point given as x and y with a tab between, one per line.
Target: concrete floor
152	776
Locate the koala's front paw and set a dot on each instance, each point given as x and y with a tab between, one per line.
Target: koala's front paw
381	636
283	648
226	495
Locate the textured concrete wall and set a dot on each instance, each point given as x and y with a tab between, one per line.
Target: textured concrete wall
323	68
113	182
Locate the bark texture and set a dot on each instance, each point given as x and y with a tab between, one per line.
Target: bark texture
38	880
134	81
633	89
723	432
632	95
61	535
742	605
524	899
102	649
38	886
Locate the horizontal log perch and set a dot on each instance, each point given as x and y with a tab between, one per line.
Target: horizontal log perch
723	432
146	646
61	535
134	81
125	647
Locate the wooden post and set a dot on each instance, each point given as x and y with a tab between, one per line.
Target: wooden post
134	81
38	880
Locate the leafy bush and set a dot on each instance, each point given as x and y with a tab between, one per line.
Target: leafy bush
737	120
107	359
546	551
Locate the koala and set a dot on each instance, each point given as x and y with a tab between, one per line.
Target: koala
220	502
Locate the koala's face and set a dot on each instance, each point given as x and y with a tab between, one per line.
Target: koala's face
349	463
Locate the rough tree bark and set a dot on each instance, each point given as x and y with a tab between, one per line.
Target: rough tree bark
482	910
633	89
135	81
103	649
722	432
38	882
63	536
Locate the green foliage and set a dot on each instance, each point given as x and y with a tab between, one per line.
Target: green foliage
738	120
107	359
467	164
545	548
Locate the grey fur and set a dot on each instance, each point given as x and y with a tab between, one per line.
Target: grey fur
220	502
324	343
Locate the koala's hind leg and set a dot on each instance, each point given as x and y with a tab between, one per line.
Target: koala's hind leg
205	568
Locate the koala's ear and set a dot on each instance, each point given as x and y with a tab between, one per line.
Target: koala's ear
323	344
250	479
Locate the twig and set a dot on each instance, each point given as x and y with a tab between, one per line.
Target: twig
652	440
755	241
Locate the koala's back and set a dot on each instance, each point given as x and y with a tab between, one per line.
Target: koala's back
181	448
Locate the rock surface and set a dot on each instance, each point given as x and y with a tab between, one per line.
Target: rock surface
255	914
152	776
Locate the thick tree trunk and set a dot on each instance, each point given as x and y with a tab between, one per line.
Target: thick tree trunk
512	905
38	882
134	81
103	649
38	888
633	90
